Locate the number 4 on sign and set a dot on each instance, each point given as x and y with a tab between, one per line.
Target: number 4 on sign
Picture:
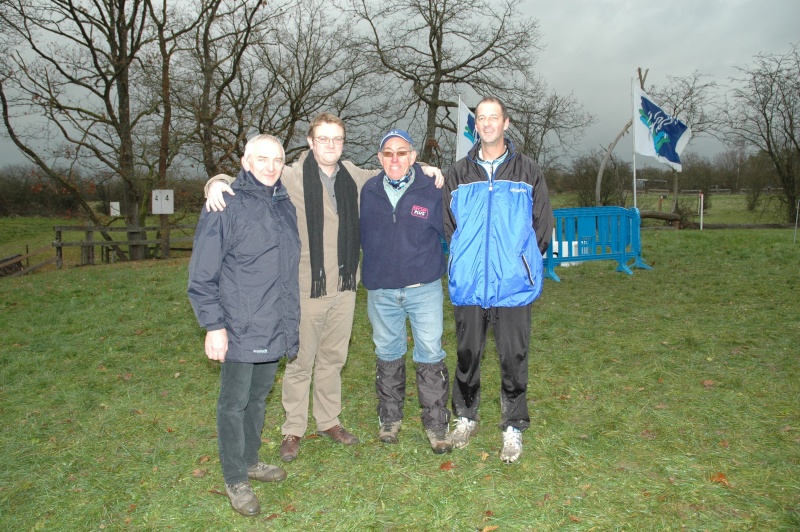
163	202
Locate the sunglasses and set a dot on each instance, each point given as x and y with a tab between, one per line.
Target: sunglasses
389	153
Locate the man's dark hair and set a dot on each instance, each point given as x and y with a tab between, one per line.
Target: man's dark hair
493	99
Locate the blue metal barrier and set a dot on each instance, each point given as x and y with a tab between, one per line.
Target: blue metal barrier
596	233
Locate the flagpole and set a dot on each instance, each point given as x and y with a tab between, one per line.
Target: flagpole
459	126
458	123
633	137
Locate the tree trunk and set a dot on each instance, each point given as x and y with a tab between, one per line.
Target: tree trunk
599	184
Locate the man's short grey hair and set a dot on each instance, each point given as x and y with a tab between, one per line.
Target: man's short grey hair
263	137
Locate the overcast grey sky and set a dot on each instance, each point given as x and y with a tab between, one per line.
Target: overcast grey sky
594	48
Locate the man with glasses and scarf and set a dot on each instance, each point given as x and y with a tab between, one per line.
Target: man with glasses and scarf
325	192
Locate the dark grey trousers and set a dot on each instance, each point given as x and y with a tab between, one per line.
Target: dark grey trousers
240	415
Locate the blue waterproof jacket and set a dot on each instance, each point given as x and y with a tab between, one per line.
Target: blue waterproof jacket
243	274
498	225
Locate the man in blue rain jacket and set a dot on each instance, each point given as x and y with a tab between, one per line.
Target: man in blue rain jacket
498	221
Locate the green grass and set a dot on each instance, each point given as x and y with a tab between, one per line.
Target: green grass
724	208
642	389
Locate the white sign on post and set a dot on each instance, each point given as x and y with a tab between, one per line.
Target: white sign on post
114	208
163	202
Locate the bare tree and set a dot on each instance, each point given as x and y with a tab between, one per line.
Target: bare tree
548	126
764	112
72	67
758	175
729	164
314	67
170	25
584	171
219	44
436	48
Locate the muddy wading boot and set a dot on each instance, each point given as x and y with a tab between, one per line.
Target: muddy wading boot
433	388
390	384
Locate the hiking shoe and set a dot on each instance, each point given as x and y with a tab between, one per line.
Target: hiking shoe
389	431
439	439
464	430
290	447
243	499
512	445
265	472
338	434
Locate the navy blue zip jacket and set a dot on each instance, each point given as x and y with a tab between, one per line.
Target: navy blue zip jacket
243	272
402	246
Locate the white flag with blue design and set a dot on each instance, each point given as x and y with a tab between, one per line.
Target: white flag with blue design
467	136
657	134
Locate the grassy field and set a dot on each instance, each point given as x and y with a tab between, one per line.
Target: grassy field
20	235
665	400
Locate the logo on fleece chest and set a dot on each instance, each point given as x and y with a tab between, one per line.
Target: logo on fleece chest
419	212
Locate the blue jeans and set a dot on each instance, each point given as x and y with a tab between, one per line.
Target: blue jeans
240	415
423	306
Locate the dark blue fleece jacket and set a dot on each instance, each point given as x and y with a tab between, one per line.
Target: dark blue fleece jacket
402	246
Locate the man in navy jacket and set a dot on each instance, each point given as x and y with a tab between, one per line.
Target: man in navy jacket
243	286
401	237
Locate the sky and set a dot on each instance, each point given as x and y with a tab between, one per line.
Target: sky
593	49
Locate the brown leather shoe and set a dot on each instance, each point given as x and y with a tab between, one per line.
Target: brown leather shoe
290	447
339	435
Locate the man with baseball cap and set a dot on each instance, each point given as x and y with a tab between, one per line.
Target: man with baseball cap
403	281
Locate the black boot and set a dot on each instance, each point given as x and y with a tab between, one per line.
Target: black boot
390	385
433	386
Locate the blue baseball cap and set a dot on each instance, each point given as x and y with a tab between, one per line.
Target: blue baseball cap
399	133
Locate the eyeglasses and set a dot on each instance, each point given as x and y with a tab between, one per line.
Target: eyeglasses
389	153
325	140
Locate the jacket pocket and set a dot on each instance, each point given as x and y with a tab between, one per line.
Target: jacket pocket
528	270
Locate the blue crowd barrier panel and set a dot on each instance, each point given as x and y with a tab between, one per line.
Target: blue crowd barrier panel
595	233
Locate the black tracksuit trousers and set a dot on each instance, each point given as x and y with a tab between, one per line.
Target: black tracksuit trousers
512	331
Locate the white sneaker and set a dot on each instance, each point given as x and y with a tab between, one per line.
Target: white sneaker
464	430
512	445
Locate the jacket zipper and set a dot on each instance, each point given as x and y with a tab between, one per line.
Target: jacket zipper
488	239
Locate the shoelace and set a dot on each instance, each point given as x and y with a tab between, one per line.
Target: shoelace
462	425
513	438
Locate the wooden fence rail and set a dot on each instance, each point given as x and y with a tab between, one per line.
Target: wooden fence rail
12	266
108	244
109	248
